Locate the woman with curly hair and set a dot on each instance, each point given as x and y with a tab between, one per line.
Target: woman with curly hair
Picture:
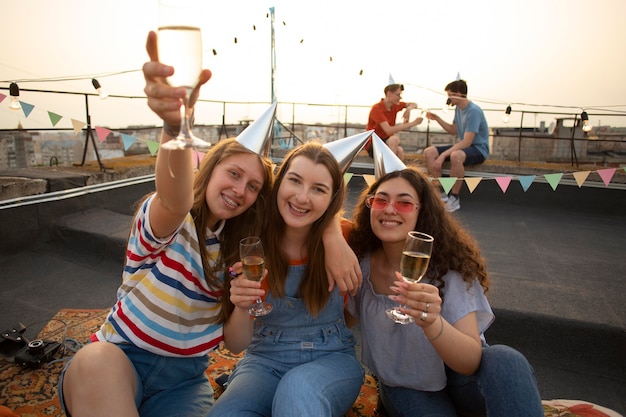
441	364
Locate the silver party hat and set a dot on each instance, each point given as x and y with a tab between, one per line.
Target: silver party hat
258	135
346	149
385	160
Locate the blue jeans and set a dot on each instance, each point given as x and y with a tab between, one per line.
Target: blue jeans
296	365
472	154
166	386
503	385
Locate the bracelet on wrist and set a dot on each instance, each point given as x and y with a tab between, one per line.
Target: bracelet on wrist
440	331
171	131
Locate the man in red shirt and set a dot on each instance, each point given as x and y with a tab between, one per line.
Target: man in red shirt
382	119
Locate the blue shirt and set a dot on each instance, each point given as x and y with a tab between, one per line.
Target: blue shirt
472	119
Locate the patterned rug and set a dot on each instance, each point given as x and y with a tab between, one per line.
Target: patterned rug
32	392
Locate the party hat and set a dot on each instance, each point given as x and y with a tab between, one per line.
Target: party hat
385	160
258	135
346	149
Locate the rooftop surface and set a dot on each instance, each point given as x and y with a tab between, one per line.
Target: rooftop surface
556	259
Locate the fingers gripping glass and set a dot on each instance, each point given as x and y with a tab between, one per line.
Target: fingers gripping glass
381	203
413	265
253	260
180	45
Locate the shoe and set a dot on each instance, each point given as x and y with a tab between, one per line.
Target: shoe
444	196
453	204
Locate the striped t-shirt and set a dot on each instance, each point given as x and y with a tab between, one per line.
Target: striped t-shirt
164	304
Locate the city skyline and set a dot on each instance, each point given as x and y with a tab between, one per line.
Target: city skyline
565	55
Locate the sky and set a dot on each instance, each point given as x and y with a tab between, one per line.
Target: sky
536	55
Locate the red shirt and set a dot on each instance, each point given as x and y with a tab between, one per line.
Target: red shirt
379	114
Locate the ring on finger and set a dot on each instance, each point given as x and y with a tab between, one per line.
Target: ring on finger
424	316
427	306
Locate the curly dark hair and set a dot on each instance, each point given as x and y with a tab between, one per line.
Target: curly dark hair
454	247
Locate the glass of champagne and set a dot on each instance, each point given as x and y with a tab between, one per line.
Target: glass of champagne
253	260
180	45
413	265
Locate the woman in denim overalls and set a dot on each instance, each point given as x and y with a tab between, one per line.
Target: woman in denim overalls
300	358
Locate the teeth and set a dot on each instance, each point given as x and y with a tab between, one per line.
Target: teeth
294	208
389	223
230	202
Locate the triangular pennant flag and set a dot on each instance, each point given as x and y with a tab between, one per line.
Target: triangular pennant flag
153	147
553	179
128	140
472	183
580	177
102	133
606	175
78	125
26	108
197	157
2	97
347	177
447	183
369	179
503	182
54	118
526	181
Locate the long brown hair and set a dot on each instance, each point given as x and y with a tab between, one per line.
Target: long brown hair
454	247
314	286
248	223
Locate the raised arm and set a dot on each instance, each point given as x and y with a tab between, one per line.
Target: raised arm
173	169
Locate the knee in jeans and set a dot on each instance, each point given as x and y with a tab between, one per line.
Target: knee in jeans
502	355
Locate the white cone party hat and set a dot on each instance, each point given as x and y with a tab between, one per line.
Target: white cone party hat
258	135
385	161
346	149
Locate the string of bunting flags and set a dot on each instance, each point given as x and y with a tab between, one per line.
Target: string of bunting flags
503	181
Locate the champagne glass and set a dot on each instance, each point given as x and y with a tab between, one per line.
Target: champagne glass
180	45
413	265
253	260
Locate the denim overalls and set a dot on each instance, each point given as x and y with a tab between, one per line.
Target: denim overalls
296	364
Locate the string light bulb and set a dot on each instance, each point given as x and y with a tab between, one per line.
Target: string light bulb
585	118
15	97
101	92
507	114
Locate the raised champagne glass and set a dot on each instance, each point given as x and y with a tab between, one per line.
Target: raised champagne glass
413	265
253	260
180	46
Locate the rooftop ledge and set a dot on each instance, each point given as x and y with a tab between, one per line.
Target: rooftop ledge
40	180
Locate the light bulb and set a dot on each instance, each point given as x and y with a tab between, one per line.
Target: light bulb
507	112
15	97
101	92
586	125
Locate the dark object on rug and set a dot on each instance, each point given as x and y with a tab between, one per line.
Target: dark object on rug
36	353
15	347
12	341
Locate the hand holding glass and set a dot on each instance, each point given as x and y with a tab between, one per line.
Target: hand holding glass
413	265
253	260
180	45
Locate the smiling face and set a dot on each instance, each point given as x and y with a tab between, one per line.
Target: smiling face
234	186
305	193
389	225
